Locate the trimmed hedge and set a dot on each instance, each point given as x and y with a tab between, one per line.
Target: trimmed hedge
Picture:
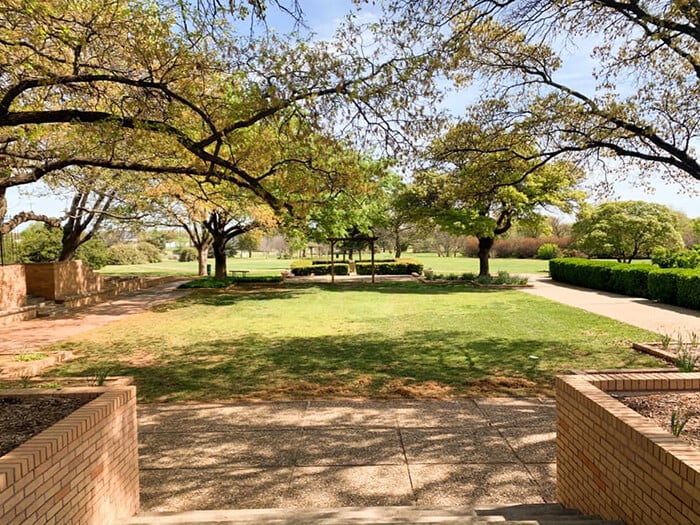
213	282
301	268
394	267
676	286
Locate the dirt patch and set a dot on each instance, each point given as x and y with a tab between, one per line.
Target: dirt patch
659	407
23	417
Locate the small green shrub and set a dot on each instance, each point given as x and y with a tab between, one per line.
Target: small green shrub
502	278
188	254
678	421
151	252
125	254
213	282
304	267
548	251
675	258
394	267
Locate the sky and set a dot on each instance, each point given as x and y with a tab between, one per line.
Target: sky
323	16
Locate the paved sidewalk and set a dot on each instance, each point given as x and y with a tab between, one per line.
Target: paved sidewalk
657	317
323	454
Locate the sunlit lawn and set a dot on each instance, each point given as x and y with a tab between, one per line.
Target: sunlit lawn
260	265
387	340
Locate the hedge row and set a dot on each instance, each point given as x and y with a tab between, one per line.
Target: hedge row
394	267
300	268
672	286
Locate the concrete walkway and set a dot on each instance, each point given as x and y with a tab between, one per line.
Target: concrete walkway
327	454
657	317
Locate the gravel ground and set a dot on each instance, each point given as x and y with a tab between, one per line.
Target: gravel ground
660	406
23	417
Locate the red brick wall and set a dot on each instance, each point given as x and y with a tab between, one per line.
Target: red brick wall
13	287
614	462
82	470
62	279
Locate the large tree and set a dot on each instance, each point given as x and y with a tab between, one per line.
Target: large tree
177	87
626	230
471	192
643	106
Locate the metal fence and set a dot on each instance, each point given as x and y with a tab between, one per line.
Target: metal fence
9	248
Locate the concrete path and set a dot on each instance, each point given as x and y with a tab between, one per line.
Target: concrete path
660	318
326	454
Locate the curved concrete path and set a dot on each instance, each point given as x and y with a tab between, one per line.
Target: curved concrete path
643	313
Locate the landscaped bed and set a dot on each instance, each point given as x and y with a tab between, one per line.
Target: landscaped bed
386	340
614	462
82	468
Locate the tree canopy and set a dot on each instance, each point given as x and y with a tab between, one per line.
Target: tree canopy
626	230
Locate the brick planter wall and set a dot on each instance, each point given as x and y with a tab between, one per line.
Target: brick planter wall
13	287
614	462
82	470
62	279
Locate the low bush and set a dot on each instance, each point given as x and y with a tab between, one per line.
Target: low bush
548	251
302	268
126	254
675	258
213	282
151	252
188	254
395	267
676	286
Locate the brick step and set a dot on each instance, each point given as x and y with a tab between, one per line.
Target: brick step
546	514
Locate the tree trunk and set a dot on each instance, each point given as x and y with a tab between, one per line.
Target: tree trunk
220	258
485	245
397	243
69	245
202	254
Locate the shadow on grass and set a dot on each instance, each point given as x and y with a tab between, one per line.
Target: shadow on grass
245	293
419	364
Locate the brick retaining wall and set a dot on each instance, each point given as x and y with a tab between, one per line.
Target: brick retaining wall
616	463
82	470
13	287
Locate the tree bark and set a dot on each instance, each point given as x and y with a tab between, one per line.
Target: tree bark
202	253
485	245
219	246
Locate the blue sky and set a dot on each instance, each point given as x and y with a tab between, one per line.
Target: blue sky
323	16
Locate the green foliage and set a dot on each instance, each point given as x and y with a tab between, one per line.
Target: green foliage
213	282
188	254
678	421
610	276
39	243
687	360
31	357
676	258
151	252
303	267
141	253
395	267
626	230
126	254
548	251
94	252
502	278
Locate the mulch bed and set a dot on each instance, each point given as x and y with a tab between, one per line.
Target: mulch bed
23	417
660	406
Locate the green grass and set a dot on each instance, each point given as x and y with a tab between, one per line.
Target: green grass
260	265
386	340
257	265
459	265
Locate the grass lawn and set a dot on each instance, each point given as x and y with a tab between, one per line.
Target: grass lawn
259	265
387	340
